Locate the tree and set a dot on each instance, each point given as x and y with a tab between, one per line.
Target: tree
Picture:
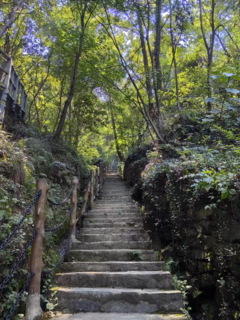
82	8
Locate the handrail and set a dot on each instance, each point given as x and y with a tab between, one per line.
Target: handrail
7	240
97	178
62	202
33	282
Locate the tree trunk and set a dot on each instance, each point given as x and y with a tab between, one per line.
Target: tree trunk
11	18
69	99
7	44
157	48
145	61
174	56
209	47
74	78
120	155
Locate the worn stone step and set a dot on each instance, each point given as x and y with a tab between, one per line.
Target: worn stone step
114	193
119	300
114	201
114	210
111	255
89	224
112	219
131	279
113	237
112	266
112	245
115	197
112	186
121	316
126	199
112	215
111	230
123	206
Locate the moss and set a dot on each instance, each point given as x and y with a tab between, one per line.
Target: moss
198	228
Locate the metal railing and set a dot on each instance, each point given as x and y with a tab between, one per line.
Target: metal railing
12	92
33	282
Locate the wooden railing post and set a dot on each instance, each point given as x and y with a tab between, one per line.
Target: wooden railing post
96	183
33	309
101	176
85	199
74	200
92	190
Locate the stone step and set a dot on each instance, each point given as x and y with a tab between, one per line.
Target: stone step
117	183
113	219
112	230
115	197
114	193
131	279
89	224
114	206
118	300
112	215
114	188
114	210
112	245
114	201
111	255
107	281
112	266
113	237
121	316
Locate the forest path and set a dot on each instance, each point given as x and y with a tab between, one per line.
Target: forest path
114	274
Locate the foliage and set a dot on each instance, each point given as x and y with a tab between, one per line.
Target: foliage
158	80
22	162
135	256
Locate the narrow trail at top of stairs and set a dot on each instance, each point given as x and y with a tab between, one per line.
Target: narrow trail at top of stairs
102	280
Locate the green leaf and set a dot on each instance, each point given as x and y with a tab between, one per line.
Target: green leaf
231	107
2	213
229	74
235	91
215	77
207	120
224	195
210	99
215	111
235	99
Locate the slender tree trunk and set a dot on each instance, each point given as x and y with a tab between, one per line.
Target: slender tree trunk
70	123
157	48
143	107
7	44
11	17
174	56
74	78
209	47
69	99
120	155
145	60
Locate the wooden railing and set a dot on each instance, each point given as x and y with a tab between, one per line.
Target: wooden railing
12	92
92	191
33	282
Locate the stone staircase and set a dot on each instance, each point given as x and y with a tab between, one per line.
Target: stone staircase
103	281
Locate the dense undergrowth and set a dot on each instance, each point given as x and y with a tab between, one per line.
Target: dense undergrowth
25	156
189	193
